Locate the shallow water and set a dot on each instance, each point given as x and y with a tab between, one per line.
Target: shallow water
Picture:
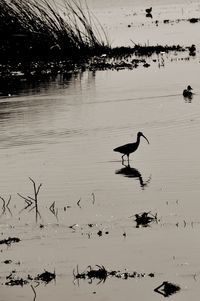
61	134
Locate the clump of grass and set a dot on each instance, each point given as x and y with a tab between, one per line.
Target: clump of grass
40	29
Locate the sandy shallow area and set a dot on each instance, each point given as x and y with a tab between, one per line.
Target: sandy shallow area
62	133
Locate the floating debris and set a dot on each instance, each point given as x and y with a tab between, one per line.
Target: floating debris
46	276
194	20
192	50
7	261
101	274
100	233
19	281
15	281
167	289
9	240
145	218
146	65
149	50
190	20
166	21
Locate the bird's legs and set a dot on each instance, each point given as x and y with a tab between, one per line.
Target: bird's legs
123	158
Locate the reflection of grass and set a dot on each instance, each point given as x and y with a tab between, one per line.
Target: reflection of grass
39	29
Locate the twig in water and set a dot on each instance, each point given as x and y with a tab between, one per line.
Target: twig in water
52	207
8	202
5	205
34	293
53	210
30	200
27	200
93	198
72	227
78	203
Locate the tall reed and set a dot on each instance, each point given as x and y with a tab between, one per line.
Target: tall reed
42	29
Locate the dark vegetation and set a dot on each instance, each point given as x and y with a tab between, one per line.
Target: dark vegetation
32	201
191	20
41	39
144	219
44	277
100	273
9	240
42	30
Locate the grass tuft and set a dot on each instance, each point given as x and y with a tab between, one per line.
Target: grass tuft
44	30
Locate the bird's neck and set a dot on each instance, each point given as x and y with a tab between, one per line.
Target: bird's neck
138	141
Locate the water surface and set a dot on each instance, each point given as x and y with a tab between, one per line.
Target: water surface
61	133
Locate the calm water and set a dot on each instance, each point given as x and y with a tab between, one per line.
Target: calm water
62	134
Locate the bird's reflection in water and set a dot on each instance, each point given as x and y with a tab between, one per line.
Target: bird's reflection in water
149	15
130	172
188	99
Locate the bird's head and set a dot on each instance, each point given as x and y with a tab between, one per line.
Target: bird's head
140	134
189	88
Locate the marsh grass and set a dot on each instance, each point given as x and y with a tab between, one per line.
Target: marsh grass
42	30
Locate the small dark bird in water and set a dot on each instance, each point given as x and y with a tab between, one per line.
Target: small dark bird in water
148	10
129	148
188	92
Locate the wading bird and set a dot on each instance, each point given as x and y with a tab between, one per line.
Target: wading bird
188	92
129	148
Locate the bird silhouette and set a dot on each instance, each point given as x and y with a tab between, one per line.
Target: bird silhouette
148	10
188	92
129	148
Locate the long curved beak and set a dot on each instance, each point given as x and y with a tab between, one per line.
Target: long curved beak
145	138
